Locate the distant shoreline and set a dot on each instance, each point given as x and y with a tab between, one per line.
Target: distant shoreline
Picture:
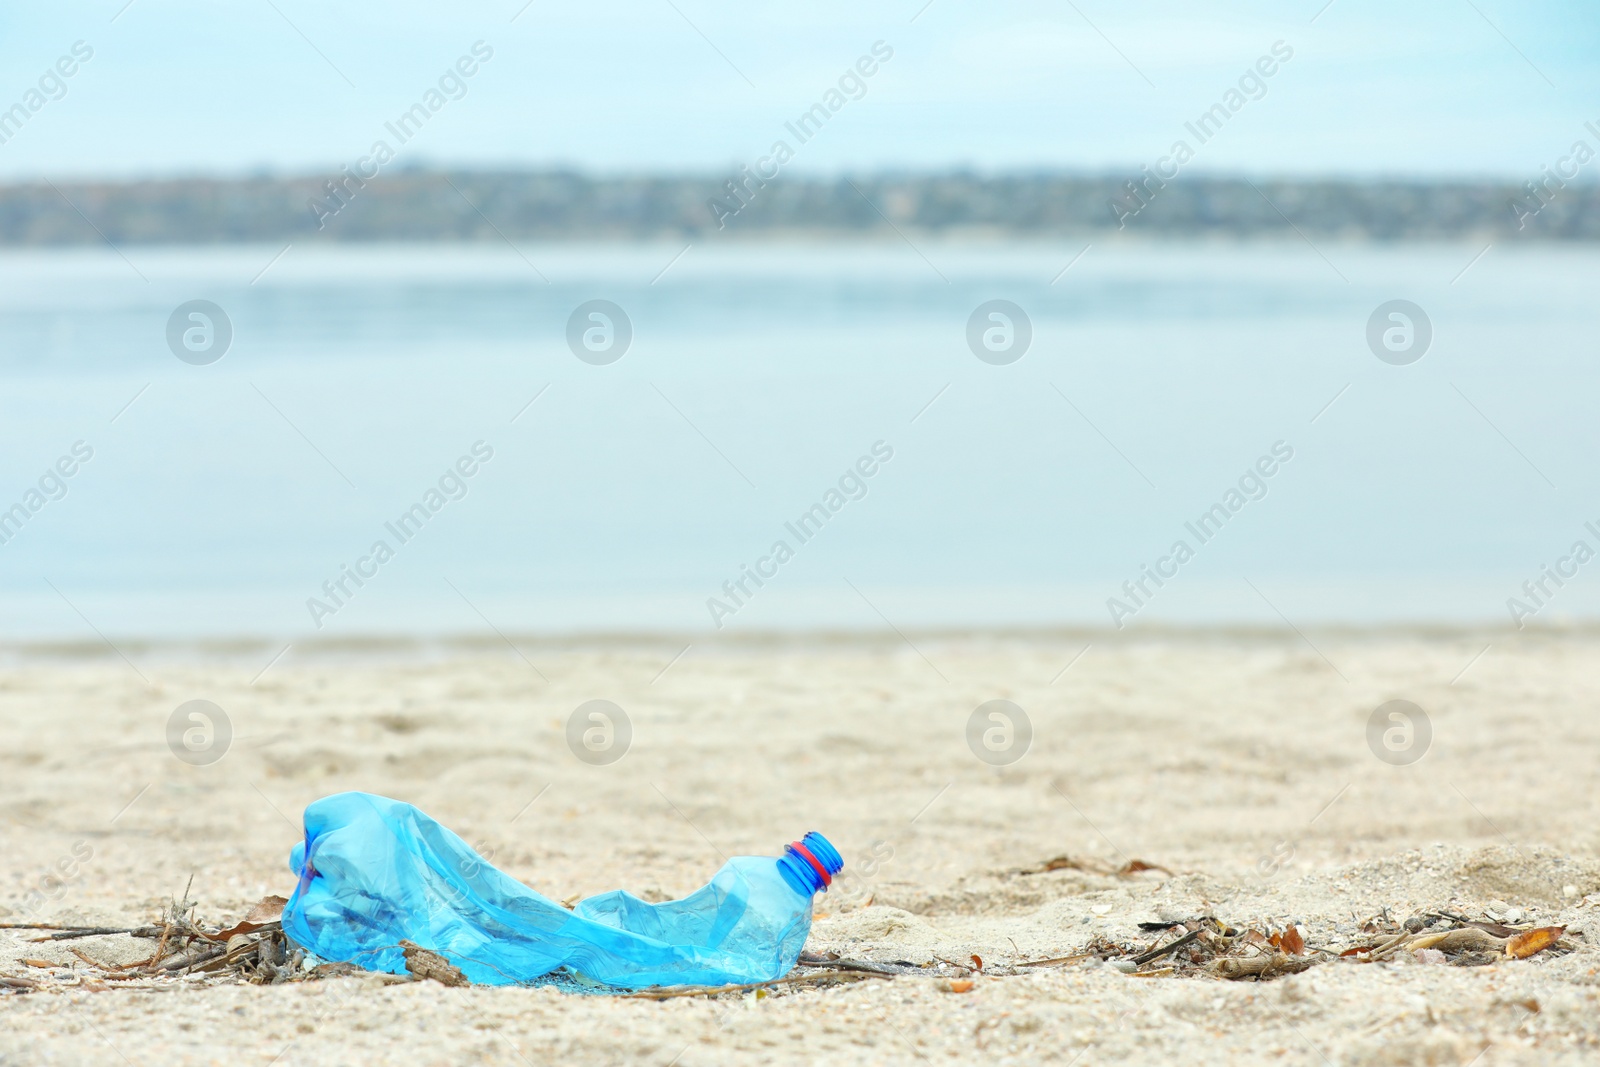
247	647
503	206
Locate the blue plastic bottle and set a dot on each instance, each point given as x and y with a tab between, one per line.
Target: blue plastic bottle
373	871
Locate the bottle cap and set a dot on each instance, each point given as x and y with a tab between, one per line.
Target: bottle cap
809	864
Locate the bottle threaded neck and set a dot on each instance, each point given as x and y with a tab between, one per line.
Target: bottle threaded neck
809	864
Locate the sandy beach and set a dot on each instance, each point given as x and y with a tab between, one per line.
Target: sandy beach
1238	762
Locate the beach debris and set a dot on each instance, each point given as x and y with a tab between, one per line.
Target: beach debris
1462	941
1065	862
1262	966
424	964
252	950
1205	946
961	968
264	913
833	961
255	950
1057	961
1290	941
373	871
1466	939
1497	929
813	978
69	933
1172	946
1529	942
1201	946
1138	866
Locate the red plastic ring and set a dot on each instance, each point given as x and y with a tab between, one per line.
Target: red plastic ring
805	854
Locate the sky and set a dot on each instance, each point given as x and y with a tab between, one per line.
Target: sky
1432	88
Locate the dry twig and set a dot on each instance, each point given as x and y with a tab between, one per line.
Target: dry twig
709	990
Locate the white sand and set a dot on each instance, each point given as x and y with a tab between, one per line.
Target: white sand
1208	755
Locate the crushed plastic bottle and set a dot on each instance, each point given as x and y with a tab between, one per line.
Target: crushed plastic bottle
374	871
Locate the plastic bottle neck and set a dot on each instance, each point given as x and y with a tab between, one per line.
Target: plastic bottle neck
809	864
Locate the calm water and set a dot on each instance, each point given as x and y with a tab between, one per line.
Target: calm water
226	495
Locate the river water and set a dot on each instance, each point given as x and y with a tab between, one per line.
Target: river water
235	497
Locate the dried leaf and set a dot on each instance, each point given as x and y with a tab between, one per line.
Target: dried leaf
1133	867
957	985
1526	944
1291	941
267	910
232	932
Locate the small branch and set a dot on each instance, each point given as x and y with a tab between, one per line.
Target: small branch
709	990
864	966
69	932
1388	946
97	931
230	956
1157	953
191	957
1266	965
1058	959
